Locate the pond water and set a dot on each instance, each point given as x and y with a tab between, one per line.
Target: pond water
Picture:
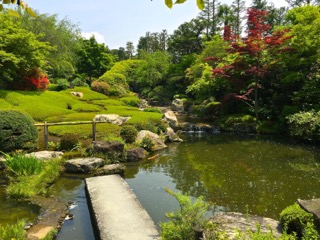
11	211
234	173
245	173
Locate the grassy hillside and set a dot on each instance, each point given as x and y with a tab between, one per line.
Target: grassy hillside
61	106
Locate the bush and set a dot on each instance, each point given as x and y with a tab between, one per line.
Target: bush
147	144
187	220
17	131
63	84
128	133
78	82
294	219
153	125
239	123
101	87
305	125
69	141
53	87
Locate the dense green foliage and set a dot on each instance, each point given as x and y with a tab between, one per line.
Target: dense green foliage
68	141
20	53
17	131
15	231
128	133
26	186
185	221
305	125
22	165
93	59
295	220
270	73
63	36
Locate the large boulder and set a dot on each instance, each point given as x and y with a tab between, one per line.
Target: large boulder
177	105
46	155
171	136
111	118
171	119
231	223
111	169
311	206
156	140
135	154
110	147
83	165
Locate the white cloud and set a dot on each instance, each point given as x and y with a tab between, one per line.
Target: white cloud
98	36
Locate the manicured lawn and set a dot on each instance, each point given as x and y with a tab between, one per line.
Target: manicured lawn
61	106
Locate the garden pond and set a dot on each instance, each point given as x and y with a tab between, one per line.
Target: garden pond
248	174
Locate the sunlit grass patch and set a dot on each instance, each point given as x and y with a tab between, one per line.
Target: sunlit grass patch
108	102
88	94
83	107
75	116
4	104
85	131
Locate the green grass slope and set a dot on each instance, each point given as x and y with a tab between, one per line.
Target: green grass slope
62	106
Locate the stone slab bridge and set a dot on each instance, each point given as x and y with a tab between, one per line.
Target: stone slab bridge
116	211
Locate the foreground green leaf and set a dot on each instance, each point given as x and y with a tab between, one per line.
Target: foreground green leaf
169	3
200	4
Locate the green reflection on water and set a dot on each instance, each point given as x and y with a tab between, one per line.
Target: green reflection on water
235	171
12	211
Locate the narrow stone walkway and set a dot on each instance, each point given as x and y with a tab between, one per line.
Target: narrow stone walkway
117	212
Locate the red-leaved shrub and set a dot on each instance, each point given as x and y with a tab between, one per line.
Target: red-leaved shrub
101	87
36	79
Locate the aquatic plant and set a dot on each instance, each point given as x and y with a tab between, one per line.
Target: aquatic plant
22	165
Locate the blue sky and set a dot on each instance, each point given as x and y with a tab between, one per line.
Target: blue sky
116	22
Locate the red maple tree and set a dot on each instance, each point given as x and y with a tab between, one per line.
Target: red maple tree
254	57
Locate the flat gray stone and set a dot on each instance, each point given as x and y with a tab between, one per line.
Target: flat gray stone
83	165
232	222
111	169
311	206
117	212
46	155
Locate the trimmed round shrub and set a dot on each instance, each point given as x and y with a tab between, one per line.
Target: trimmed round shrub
17	131
68	141
101	87
128	133
294	219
